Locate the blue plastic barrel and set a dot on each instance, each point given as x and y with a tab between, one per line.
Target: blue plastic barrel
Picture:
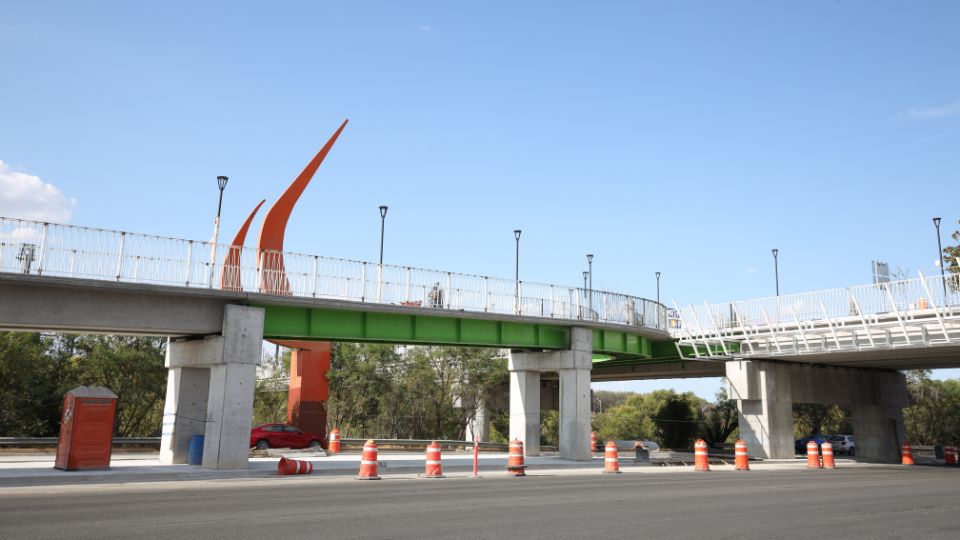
195	451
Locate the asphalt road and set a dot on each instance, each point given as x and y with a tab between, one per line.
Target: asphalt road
919	502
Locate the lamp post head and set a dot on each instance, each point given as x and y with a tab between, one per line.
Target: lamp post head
585	274
775	252
589	257
658	275
516	233
936	222
222	182
383	211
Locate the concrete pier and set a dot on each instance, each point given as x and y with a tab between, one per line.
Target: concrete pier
210	391
573	367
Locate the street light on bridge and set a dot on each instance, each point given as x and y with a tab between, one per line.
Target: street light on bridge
776	270
222	184
590	285
943	277
383	224
516	234
658	287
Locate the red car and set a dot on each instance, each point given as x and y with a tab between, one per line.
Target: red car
283	436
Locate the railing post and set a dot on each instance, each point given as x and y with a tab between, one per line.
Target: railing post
260	270
73	262
136	269
363	283
606	316
315	258
189	263
379	282
449	289
486	294
213	263
407	295
123	237
43	249
579	306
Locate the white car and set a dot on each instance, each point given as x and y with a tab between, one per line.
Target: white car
843	444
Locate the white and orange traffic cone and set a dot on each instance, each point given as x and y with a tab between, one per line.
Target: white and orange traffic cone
368	462
611	459
433	469
515	465
827	450
907	454
701	458
294	466
813	455
741	457
593	441
333	444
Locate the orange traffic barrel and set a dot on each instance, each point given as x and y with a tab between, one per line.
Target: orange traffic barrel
593	442
433	461
333	445
813	455
741	458
701	459
611	458
368	462
515	465
294	466
827	450
907	454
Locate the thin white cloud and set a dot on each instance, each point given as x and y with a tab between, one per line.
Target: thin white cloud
751	269
26	196
929	113
425	28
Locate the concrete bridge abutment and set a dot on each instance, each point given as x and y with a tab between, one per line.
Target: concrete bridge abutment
766	391
210	391
573	367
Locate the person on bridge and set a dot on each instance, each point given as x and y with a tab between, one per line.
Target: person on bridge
436	296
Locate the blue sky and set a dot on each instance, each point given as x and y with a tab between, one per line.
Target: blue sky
683	137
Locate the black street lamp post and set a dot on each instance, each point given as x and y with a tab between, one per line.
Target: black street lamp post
516	234
658	287
943	277
776	270
590	284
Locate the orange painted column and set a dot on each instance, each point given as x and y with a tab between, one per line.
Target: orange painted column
309	387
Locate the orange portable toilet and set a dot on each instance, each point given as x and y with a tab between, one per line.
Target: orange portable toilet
86	429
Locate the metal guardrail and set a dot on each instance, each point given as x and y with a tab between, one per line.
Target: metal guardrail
52	441
919	312
49	249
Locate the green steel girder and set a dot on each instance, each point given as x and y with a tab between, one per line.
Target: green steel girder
285	322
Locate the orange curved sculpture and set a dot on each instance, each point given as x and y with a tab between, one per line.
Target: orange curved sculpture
273	278
230	276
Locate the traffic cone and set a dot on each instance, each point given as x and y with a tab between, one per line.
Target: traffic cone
949	455
515	465
333	444
701	459
433	461
741	458
813	455
827	450
907	454
593	442
611	459
368	462
294	466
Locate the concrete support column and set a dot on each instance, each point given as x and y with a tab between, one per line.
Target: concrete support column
575	412
210	384
765	407
525	405
573	367
184	410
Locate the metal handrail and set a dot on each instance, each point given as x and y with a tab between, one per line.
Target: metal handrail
49	249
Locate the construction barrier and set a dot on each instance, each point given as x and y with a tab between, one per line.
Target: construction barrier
333	444
368	462
907	454
515	465
611	458
701	459
949	455
433	469
813	455
294	466
741	457
593	442
827	450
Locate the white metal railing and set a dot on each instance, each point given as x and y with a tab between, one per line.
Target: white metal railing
924	311
49	249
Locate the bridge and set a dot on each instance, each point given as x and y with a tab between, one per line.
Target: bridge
57	277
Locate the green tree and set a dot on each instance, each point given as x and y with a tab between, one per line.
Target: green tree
30	386
720	419
933	415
